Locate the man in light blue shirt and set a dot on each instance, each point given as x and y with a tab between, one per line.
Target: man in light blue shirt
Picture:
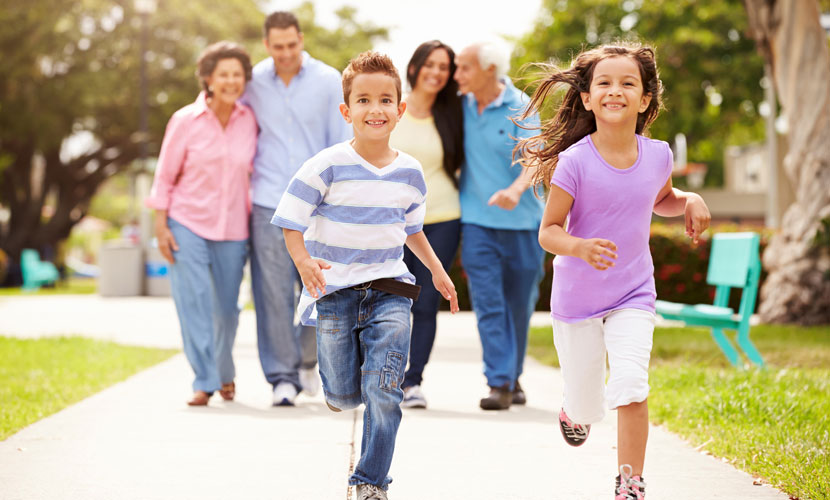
500	219
296	100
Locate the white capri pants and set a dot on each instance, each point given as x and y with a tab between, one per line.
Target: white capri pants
626	335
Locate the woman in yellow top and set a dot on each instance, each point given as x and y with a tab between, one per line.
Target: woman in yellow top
432	132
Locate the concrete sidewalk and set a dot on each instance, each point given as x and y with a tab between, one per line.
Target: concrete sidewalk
138	440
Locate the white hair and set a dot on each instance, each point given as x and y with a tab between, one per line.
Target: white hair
494	53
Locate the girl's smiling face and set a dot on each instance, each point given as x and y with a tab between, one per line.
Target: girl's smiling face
616	95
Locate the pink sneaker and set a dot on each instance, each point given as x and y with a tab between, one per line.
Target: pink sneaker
629	487
574	434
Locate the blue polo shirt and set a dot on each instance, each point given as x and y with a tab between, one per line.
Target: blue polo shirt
489	139
295	123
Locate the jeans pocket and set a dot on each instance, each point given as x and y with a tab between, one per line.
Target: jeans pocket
391	375
328	324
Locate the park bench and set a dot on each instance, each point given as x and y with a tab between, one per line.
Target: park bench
734	262
36	272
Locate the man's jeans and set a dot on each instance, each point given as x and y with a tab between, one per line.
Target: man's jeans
283	344
362	342
204	282
503	271
443	237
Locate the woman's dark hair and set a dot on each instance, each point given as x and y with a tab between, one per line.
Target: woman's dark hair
572	121
446	111
211	56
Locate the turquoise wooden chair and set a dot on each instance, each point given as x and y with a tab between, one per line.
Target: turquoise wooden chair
734	262
36	272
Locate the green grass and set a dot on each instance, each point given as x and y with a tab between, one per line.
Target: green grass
68	286
38	377
772	423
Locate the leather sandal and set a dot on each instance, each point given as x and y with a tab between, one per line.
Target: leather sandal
228	391
200	398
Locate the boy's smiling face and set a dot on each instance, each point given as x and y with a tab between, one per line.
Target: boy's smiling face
374	106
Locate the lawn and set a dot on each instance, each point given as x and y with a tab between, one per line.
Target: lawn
41	376
70	285
772	423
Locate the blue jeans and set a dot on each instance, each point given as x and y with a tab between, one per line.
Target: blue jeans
503	268
283	345
443	237
362	344
204	282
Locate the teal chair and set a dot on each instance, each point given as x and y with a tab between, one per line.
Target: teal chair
36	272
734	262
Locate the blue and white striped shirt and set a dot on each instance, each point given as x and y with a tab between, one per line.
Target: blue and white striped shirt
354	216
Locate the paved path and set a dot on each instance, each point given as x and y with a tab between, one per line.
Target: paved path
138	440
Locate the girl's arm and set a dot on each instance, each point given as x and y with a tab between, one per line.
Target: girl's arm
597	252
418	243
311	270
671	202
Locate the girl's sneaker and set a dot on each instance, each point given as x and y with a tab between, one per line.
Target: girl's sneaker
629	487
574	434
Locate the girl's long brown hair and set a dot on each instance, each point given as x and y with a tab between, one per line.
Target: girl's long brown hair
572	121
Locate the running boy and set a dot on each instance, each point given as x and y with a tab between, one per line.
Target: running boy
356	204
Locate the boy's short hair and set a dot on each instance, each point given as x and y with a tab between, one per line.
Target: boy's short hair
366	63
281	20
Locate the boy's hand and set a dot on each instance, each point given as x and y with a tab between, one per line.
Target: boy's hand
311	272
446	288
597	252
697	217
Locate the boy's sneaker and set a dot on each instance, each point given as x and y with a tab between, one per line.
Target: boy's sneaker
370	492
574	434
413	397
309	381
284	394
629	487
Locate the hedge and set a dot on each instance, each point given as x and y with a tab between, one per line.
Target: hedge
679	267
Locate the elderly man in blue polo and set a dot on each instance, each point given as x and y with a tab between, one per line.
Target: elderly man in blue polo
500	219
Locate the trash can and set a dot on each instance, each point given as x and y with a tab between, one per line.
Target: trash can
120	263
156	273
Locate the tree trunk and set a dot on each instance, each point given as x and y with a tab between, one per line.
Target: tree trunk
69	185
788	34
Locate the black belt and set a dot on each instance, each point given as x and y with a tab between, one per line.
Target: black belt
392	286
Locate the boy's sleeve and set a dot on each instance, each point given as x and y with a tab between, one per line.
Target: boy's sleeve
304	194
565	176
416	211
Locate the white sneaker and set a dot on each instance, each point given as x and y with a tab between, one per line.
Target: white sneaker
370	492
413	397
284	394
309	381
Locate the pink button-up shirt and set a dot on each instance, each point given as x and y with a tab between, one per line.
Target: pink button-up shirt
203	172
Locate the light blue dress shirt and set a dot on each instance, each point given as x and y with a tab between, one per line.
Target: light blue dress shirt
295	123
489	139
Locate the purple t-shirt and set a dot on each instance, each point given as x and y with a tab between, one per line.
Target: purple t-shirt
614	204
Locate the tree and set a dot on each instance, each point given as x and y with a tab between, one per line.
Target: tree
709	68
69	75
791	40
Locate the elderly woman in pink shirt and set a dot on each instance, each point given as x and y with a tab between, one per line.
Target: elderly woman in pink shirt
201	197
